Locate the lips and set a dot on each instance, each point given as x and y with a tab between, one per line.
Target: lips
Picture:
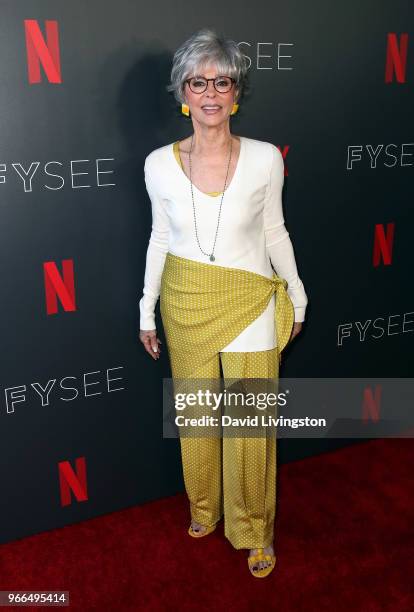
210	110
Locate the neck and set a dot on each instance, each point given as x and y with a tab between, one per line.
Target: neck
211	140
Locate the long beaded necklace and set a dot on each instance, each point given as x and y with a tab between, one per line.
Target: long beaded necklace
210	255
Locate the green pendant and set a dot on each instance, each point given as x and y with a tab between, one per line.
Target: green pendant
212	258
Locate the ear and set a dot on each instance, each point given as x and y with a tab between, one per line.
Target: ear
184	94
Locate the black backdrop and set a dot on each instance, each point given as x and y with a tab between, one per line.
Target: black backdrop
318	90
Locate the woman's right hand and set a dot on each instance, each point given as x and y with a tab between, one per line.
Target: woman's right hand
150	341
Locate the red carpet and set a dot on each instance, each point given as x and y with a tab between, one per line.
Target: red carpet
344	541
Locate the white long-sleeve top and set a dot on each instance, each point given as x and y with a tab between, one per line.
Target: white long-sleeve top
252	234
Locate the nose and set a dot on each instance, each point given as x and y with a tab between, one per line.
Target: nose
210	88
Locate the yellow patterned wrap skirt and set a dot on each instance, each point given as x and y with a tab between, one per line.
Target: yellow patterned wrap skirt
203	308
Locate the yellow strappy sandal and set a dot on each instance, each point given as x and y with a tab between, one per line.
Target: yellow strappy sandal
208	530
263	571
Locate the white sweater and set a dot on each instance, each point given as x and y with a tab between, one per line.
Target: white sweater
251	236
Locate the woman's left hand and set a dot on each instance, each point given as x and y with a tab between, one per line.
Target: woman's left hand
297	327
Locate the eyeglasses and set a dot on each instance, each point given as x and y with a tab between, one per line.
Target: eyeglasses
222	84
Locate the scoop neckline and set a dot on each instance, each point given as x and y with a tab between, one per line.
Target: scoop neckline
233	180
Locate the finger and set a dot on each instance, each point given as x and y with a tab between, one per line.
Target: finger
154	355
148	343
154	345
154	348
151	344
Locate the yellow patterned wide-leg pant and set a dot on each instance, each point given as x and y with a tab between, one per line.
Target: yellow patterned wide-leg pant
203	308
233	476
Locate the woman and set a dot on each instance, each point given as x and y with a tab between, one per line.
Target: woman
217	229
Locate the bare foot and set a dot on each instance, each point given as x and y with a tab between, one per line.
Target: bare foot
268	550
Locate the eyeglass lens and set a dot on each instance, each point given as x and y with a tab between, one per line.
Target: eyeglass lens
199	84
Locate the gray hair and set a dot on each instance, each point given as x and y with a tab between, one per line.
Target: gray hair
207	47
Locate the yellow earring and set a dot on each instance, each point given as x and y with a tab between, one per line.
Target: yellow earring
234	109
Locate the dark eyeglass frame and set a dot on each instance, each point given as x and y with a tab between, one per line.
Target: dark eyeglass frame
214	83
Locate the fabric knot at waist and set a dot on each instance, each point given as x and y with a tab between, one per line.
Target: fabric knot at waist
276	281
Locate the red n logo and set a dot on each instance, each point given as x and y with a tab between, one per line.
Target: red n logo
56	286
284	152
71	481
371	404
383	244
41	52
396	58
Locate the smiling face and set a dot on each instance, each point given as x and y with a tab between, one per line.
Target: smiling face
210	107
